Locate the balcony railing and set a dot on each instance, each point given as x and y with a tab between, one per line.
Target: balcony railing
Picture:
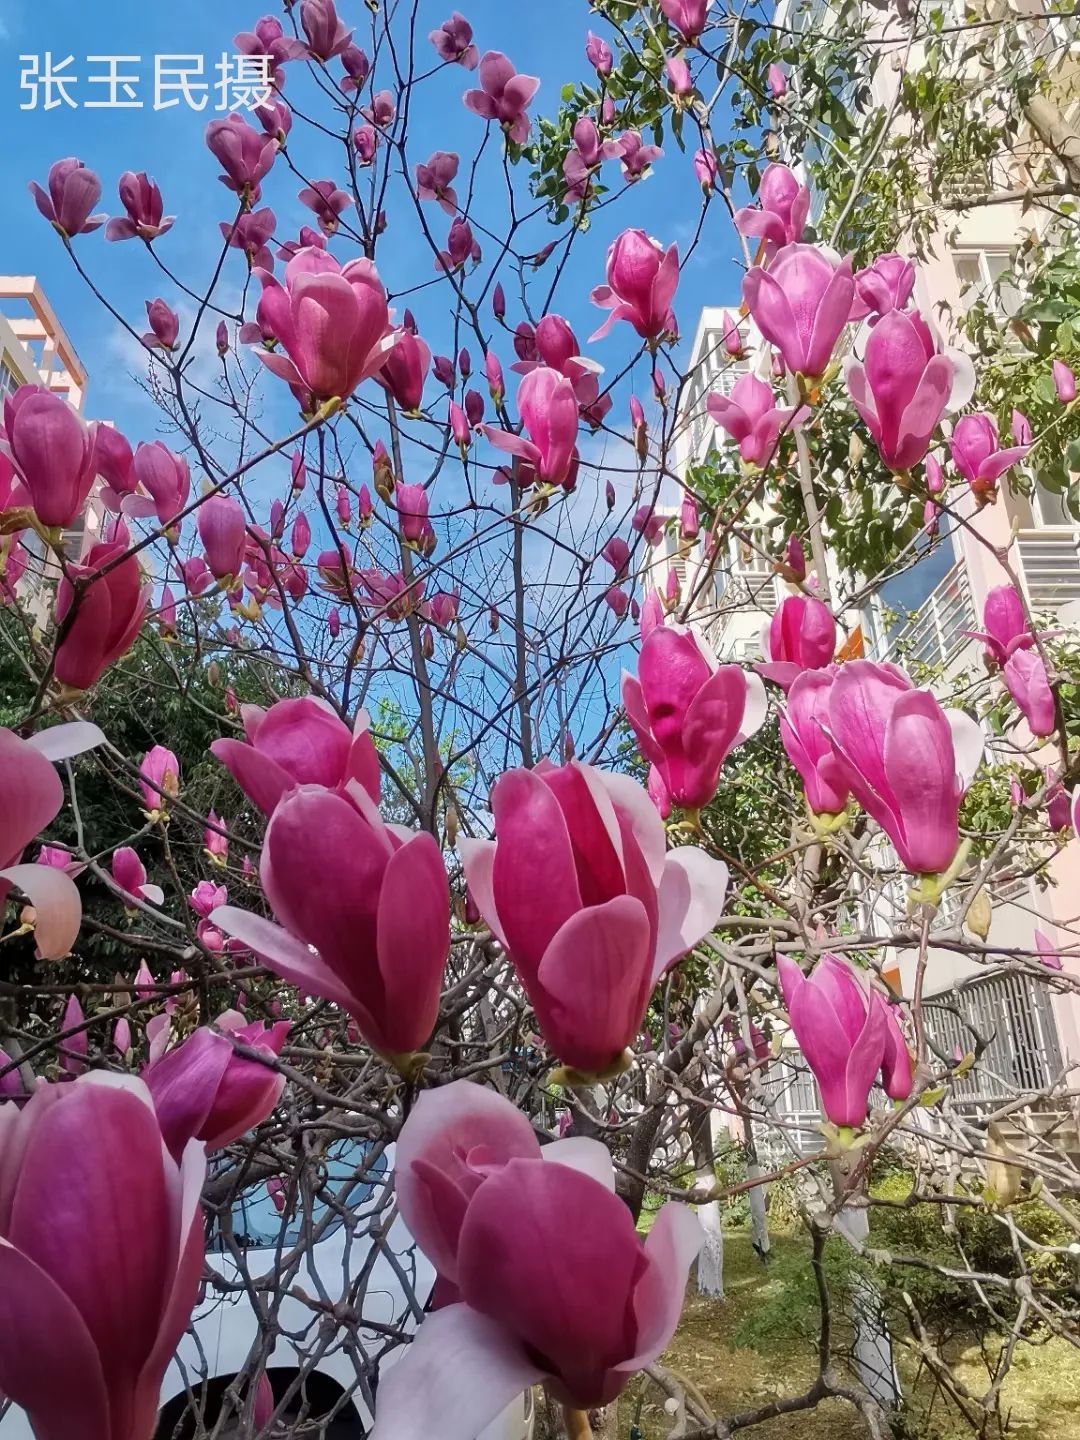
1050	566
1016	1016
934	634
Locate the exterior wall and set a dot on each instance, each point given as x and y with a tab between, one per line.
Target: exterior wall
968	252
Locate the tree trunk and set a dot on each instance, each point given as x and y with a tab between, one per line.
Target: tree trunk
873	1351
1056	133
759	1224
710	1261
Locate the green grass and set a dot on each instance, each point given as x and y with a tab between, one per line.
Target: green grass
754	1347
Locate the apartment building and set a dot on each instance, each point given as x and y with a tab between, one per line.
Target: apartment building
918	620
35	350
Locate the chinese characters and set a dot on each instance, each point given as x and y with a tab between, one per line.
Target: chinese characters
127	82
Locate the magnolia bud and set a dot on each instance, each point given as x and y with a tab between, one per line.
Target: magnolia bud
452	826
855	449
213	674
979	914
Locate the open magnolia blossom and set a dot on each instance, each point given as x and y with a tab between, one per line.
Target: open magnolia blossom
550	1280
906	760
94	1296
688	712
588	903
364	921
33	794
298	742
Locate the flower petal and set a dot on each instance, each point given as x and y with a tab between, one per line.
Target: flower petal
458	1375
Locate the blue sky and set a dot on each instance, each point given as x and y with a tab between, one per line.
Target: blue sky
546	39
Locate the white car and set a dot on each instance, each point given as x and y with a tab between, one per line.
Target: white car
225	1329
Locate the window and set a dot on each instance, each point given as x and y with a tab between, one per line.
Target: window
979	272
9	381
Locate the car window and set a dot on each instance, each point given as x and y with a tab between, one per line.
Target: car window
257	1224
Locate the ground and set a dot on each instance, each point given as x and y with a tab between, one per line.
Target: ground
712	1347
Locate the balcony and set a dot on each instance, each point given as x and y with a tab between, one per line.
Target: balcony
1049	564
933	635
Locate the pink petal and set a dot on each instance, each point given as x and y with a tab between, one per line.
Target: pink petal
48	1362
458	1375
692	895
57	906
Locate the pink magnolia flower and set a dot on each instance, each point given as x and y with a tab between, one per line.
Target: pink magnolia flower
884	285
688	713
435	180
165	477
129	874
598	53
804	724
298	742
267	37
617	600
105	1287
777	82
581	1308
203	1089
327	35
33	797
364	922
977	455
549	412
903	387
215	844
332	322
907	761
276	119
159	779
327	201
411	503
636	157
1028	683
779	216
106	617
52	452
357	67
706	169
244	153
1005	627
59	860
800	636
679	77
1021	428
613	911
223	532
1064	382
72	194
404	371
251	234
461	246
442	608
842	1029
801	305
207	896
1058	813
688	16
642	279
586	156
366	141
503	96
752	418
145	217
648	523
453	42
164	326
